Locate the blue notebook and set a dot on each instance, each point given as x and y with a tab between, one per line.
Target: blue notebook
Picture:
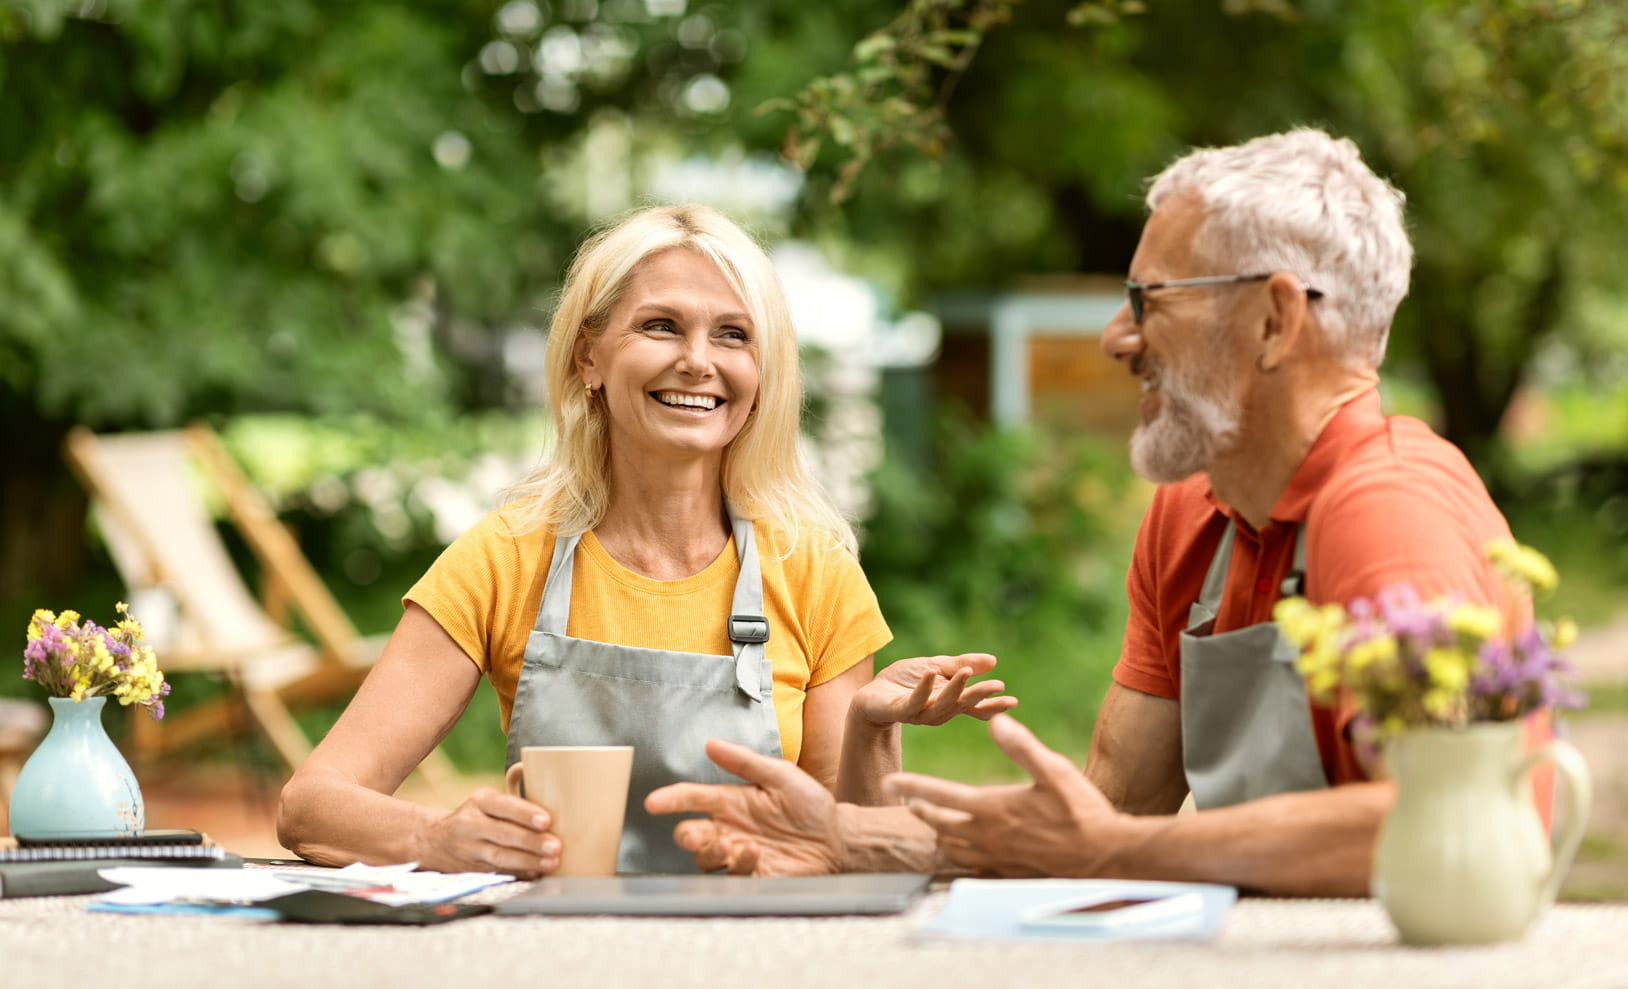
1080	910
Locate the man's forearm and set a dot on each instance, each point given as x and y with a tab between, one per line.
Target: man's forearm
885	839
1316	843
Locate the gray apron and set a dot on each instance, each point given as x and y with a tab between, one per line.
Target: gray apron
1245	720
665	704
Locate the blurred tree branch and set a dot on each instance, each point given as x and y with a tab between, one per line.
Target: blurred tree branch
901	81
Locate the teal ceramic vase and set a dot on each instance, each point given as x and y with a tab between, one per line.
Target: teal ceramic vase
1462	857
76	782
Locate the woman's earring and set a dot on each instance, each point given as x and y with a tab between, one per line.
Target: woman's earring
590	392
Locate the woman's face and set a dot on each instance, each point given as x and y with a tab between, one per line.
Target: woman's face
676	365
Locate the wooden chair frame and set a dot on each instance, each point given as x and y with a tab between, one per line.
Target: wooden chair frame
268	666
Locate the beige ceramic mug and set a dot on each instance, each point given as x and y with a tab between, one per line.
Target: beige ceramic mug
584	790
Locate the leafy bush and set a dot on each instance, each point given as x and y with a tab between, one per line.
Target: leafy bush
1013	542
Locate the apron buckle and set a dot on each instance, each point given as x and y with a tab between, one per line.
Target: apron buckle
748	629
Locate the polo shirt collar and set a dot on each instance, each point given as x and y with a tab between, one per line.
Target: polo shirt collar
1355	421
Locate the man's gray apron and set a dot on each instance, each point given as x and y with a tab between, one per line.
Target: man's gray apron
665	704
1245	721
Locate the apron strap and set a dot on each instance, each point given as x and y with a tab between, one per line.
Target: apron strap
1294	585
748	628
555	610
1215	579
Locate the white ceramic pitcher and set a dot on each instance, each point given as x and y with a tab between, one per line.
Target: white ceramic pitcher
1461	858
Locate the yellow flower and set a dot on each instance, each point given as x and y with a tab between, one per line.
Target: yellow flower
100	660
1380	650
129	626
1449	669
67	620
1479	622
1322	685
1320	654
1439	702
1565	633
1524	565
1311	628
1295	617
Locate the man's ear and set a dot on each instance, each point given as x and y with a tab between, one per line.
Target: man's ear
1286	317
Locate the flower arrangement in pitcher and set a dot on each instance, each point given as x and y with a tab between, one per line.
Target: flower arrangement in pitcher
77	658
1443	662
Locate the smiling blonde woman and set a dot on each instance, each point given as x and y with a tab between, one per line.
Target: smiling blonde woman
670	574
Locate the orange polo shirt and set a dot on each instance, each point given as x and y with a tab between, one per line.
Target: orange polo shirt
1384	500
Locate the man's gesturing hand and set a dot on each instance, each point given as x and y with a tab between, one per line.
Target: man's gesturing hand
1059	825
783	824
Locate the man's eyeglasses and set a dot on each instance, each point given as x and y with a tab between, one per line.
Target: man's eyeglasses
1137	289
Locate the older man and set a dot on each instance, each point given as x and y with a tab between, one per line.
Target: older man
1260	299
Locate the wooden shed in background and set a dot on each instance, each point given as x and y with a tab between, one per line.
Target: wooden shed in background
1032	353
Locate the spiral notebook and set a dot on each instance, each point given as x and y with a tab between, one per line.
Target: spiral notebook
162	844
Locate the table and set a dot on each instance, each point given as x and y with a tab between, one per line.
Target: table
52	942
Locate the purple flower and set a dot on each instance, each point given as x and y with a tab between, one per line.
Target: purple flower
1497	671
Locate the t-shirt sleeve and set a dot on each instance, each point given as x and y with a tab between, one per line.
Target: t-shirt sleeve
1142	662
847	624
462	588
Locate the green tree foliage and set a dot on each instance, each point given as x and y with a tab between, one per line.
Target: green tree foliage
1504	120
222	208
1507	123
225	207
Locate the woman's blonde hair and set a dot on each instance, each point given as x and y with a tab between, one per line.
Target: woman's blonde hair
765	475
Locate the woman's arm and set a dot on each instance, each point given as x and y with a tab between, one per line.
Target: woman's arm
338	806
925	690
826	741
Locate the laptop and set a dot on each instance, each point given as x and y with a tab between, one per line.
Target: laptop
720	895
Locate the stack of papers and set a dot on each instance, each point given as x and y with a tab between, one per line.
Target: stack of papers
182	890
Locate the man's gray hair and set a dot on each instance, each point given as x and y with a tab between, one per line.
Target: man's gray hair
1304	202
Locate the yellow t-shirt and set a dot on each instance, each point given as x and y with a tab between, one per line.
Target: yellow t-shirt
485	588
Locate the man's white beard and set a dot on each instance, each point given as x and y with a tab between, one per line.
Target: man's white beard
1190	430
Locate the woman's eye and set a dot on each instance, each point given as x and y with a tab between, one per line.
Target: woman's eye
735	334
660	326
